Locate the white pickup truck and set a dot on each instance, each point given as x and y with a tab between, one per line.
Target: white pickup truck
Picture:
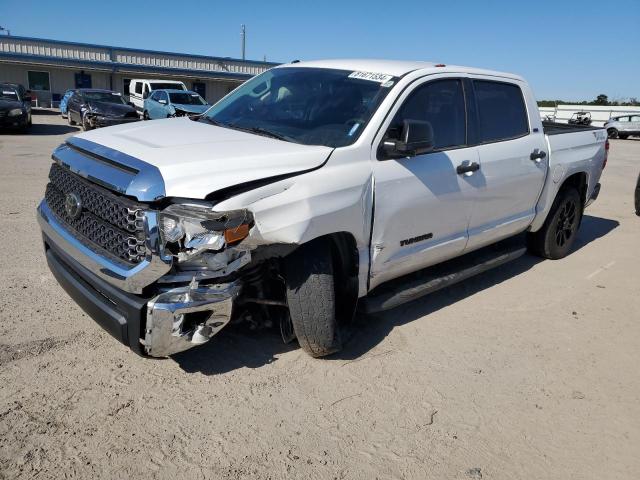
313	189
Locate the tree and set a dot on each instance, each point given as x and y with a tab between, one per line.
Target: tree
601	99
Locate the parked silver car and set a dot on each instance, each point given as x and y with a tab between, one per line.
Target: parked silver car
623	126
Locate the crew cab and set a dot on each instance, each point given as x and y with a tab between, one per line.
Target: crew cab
312	190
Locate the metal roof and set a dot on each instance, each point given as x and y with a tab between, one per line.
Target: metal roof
125	59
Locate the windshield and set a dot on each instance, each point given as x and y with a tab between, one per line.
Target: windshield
312	106
107	97
8	94
186	99
166	86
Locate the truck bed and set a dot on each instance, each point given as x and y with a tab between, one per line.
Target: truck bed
555	128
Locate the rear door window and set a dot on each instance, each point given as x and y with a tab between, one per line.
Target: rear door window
502	113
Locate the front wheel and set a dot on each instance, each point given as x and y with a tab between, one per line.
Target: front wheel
555	239
86	125
311	298
612	133
145	115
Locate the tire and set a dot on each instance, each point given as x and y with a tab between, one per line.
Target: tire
555	239
612	133
637	197
69	119
623	137
145	115
86	126
311	298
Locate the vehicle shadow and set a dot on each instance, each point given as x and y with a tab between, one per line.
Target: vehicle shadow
368	331
593	228
44	111
236	348
48	129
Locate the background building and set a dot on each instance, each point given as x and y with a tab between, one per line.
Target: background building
49	67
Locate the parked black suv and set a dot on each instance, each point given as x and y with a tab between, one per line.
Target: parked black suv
15	106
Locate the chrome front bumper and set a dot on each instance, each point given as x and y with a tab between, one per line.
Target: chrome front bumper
172	321
170	326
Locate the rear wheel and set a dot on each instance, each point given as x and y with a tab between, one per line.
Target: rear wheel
612	132
311	298
555	239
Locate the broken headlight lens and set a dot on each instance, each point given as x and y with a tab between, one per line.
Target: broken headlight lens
190	229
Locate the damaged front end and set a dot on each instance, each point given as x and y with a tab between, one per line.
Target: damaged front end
196	297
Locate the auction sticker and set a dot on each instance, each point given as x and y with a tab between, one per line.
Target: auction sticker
371	76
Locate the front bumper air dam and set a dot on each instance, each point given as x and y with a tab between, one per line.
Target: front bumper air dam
120	313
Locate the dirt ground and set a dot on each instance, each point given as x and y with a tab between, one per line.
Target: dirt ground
526	372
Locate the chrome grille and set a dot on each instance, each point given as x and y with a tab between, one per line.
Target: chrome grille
108	223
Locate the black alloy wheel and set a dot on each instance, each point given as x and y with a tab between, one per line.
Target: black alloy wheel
567	223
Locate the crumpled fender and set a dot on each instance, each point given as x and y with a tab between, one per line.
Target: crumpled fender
337	197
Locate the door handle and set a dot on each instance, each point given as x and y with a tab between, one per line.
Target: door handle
537	155
467	167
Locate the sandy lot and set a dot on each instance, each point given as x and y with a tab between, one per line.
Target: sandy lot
529	371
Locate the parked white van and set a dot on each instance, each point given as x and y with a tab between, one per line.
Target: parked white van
140	88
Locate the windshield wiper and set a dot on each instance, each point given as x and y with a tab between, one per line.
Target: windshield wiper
264	132
211	121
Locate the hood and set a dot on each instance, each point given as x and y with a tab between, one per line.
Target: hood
191	108
111	109
6	104
196	158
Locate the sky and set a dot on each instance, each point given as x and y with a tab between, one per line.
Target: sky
566	49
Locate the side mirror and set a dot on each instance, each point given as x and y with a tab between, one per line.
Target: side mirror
145	94
416	138
131	104
27	98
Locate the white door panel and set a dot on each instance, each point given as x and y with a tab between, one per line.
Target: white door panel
505	204
422	209
509	132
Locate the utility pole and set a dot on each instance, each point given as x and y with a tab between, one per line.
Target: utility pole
243	37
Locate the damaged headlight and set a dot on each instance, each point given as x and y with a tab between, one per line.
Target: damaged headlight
190	229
